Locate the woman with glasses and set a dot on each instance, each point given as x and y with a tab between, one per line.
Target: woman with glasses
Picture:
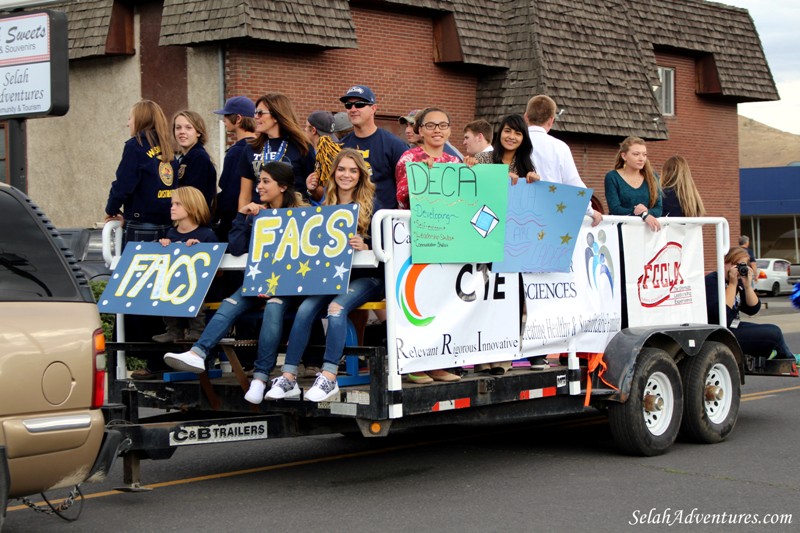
433	124
279	137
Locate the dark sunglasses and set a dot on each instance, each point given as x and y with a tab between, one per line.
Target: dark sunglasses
357	105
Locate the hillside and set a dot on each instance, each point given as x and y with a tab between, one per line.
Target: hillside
763	146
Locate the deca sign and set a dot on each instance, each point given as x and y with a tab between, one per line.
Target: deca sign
33	65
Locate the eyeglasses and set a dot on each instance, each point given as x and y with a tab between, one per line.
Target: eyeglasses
260	113
430	126
357	105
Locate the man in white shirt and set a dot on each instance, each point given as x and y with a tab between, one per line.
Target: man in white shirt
552	157
477	137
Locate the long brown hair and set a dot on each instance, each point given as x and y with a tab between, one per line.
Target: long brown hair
365	190
647	171
149	120
280	107
283	174
675	174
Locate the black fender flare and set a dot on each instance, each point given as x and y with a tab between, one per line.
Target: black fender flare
679	341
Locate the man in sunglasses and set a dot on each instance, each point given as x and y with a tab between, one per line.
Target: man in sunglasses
381	149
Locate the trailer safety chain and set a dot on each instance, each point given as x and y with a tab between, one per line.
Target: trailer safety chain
74	494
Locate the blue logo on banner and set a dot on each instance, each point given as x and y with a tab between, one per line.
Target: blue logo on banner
301	251
151	279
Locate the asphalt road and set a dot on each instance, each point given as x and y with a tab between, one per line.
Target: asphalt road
561	475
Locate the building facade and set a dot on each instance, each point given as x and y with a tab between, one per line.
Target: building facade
671	72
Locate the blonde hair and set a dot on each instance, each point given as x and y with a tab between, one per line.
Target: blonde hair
194	203
647	171
365	189
149	120
675	174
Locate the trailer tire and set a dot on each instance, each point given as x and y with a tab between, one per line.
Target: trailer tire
712	393
648	423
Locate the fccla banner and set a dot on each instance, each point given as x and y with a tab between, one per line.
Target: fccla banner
582	306
664	285
451	314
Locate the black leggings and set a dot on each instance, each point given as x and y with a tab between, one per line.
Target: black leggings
759	340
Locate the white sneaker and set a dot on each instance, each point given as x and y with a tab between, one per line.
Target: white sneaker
256	392
186	362
323	389
283	389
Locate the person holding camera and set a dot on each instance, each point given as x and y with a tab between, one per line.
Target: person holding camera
758	340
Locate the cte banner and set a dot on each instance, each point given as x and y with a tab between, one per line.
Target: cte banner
580	309
664	275
450	315
301	251
542	226
458	213
151	279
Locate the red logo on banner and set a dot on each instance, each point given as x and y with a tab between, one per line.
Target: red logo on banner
661	274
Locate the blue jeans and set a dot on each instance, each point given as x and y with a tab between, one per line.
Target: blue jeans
361	290
144	231
230	310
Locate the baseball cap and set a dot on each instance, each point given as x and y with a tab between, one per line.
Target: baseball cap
409	118
359	91
341	122
322	120
238	105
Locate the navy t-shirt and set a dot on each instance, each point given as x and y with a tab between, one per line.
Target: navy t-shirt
230	181
302	165
381	151
202	234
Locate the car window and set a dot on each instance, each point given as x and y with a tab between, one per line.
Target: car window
31	268
762	264
781	266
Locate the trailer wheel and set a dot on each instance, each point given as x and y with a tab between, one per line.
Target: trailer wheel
648	423
711	393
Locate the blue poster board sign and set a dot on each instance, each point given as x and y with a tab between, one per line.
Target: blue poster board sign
301	251
543	222
151	279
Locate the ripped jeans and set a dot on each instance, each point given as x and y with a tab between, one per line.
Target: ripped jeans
361	290
230	310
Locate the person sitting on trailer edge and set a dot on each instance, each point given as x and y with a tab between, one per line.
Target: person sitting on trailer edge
757	340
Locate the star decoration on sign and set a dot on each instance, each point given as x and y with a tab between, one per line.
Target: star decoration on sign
560	207
541	235
340	271
253	271
303	268
565	239
581	193
552	188
273	283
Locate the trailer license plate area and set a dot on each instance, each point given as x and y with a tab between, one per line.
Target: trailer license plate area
208	434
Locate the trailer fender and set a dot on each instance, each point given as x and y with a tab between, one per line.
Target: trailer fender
679	341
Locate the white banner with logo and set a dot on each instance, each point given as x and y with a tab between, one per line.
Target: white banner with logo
451	314
664	275
580	309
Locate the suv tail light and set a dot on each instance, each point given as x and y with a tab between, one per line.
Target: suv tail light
99	377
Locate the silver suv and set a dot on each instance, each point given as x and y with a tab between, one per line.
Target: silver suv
52	430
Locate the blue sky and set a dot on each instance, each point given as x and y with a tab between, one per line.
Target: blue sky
778	24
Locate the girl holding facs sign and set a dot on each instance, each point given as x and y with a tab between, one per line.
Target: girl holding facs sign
349	183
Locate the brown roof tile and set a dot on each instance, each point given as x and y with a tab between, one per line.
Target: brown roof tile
87	26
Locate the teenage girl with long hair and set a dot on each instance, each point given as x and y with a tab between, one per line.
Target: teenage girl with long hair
680	195
140	195
632	187
195	168
349	183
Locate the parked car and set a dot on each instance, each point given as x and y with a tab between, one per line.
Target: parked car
86	245
52	430
773	276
